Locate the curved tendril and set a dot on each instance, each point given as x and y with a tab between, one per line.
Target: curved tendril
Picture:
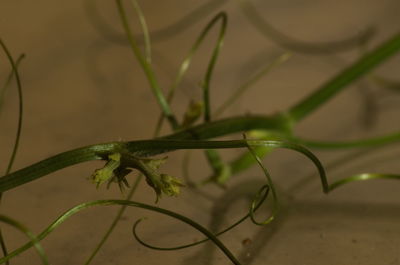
35	242
188	59
8	80
300	149
260	197
301	46
145	30
86	205
146	66
211	64
255	205
207	78
274	195
19	126
361	177
20	106
213	157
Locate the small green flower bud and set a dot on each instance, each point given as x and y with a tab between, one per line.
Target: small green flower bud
104	174
170	185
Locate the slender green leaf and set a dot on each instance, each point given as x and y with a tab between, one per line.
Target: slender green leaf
33	239
349	75
86	205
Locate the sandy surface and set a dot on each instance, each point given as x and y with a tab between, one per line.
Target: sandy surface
82	86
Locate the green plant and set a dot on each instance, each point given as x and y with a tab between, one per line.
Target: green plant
270	132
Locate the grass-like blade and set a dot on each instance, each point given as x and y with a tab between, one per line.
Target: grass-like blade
211	65
188	60
273	190
146	66
20	105
361	177
87	205
143	25
344	78
19	126
8	81
34	241
260	197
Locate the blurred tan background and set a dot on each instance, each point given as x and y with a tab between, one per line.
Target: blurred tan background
82	86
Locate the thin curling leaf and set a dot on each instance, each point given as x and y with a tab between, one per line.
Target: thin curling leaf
35	242
297	148
87	205
188	60
20	106
247	160
219	171
349	75
19	126
222	171
362	177
261	196
143	25
274	195
147	68
205	107
259	23
207	78
8	81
